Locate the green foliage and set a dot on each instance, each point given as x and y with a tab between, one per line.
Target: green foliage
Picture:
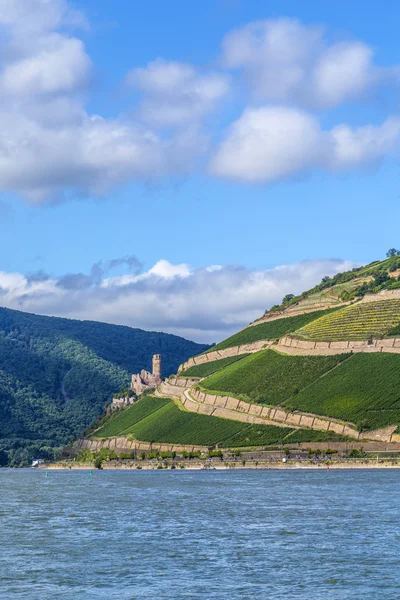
169	424
270	330
363	390
125	392
3	458
107	454
57	374
215	454
206	369
395	331
358	322
307	435
121	423
392	252
85	455
98	462
257	435
270	377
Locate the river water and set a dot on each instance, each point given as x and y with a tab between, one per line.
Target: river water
200	535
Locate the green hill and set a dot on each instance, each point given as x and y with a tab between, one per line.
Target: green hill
161	420
268	377
57	374
351	376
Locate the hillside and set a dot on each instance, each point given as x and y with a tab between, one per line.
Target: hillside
154	419
322	364
57	374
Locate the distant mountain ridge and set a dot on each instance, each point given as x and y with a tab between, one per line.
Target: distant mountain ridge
56	375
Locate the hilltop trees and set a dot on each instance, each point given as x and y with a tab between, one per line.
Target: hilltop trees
287	298
392	252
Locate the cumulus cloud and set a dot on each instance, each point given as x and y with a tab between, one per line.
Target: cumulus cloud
175	93
268	144
50	145
205	304
52	148
283	60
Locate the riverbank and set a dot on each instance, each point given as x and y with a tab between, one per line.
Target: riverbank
225	466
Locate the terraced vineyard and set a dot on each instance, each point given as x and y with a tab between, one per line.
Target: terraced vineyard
206	369
299	436
160	420
119	422
270	330
357	322
365	390
270	377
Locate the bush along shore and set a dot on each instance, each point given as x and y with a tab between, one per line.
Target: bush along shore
320	456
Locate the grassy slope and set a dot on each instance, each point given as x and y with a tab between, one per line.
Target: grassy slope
270	377
270	330
120	422
160	420
365	389
355	322
211	367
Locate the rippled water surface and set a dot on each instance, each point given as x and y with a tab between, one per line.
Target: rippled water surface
200	535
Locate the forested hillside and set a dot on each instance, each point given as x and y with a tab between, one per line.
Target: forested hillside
57	374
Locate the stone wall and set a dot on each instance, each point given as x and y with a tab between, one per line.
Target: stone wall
123	445
121	403
232	407
227	352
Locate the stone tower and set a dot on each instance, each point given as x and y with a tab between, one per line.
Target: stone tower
157	366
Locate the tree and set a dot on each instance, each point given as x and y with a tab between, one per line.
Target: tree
287	298
98	462
3	458
392	252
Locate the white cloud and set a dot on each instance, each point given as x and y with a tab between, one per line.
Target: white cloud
176	93
50	146
273	143
267	144
283	60
59	65
204	304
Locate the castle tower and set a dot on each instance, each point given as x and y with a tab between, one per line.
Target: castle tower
157	366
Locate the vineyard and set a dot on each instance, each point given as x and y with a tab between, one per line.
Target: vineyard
119	422
359	322
364	390
270	330
161	420
269	435
206	369
270	377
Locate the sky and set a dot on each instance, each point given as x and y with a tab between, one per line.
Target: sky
181	166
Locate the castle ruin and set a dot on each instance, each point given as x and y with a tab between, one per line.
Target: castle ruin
145	380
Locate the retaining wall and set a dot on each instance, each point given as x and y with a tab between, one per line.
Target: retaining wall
123	445
232	408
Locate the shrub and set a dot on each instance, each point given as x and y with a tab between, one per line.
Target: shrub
215	453
98	462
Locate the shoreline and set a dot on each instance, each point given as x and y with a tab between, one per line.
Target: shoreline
197	466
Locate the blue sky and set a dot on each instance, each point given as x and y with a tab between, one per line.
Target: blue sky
242	134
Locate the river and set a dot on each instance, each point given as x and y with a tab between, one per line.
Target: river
154	535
